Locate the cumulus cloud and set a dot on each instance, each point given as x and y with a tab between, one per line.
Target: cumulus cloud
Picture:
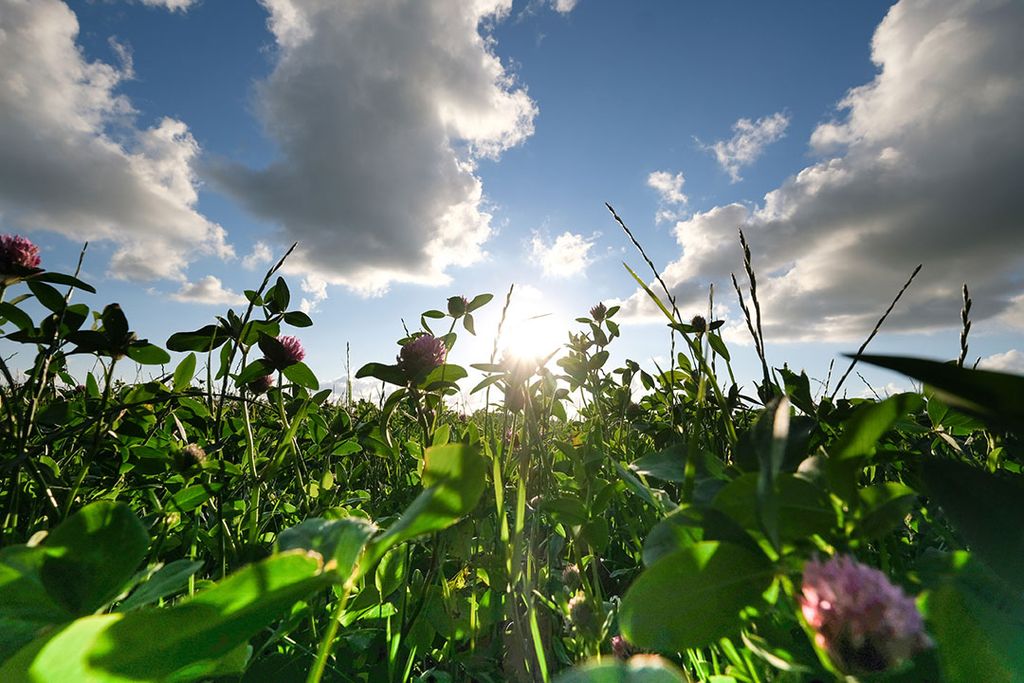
380	109
172	5
565	256
260	255
71	160
564	6
669	187
748	142
207	290
1011	361
926	168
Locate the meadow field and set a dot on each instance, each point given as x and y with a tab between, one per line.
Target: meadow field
228	519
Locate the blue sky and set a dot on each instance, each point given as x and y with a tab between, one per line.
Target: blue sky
421	150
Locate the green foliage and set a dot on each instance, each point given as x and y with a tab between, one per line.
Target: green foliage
228	519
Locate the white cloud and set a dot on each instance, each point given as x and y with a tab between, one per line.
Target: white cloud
260	255
669	187
927	168
207	290
71	160
748	142
564	6
380	109
317	289
1011	361
172	5
567	255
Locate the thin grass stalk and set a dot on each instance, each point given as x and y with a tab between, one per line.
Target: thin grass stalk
878	326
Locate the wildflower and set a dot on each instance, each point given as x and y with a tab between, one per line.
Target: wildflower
582	615
457	306
421	355
622	648
598	312
286	351
190	456
699	324
18	257
860	619
260	385
571	576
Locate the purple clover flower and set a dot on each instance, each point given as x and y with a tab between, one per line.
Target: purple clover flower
421	355
287	351
598	312
18	256
260	385
863	621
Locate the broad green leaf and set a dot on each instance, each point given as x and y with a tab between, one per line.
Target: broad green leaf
978	628
62	279
719	346
339	541
387	373
92	555
987	510
871	422
454	477
884	507
298	319
992	395
301	375
667	464
204	339
693	597
255	369
639	669
167	580
47	295
802	509
25	606
478	301
184	642
184	373
145	353
191	497
15	315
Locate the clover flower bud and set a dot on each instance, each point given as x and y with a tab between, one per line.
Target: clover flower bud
18	257
190	456
287	351
421	355
457	306
863	621
598	312
260	385
699	324
622	648
571	576
582	615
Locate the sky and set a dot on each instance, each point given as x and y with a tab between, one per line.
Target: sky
419	150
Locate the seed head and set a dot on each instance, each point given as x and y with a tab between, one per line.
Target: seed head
287	351
582	614
598	312
860	618
18	257
191	456
421	355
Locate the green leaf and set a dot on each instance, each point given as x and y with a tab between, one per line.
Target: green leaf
387	373
798	389
147	354
282	297
339	541
301	375
191	497
204	339
977	627
693	597
15	315
478	301
257	368
986	509
184	373
442	376
92	555
62	279
667	464
995	396
47	295
801	508
25	606
454	477
871	422
184	642
718	345
654	297
647	669
884	507
298	319
167	580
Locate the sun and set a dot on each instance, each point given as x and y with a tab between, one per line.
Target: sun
533	338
